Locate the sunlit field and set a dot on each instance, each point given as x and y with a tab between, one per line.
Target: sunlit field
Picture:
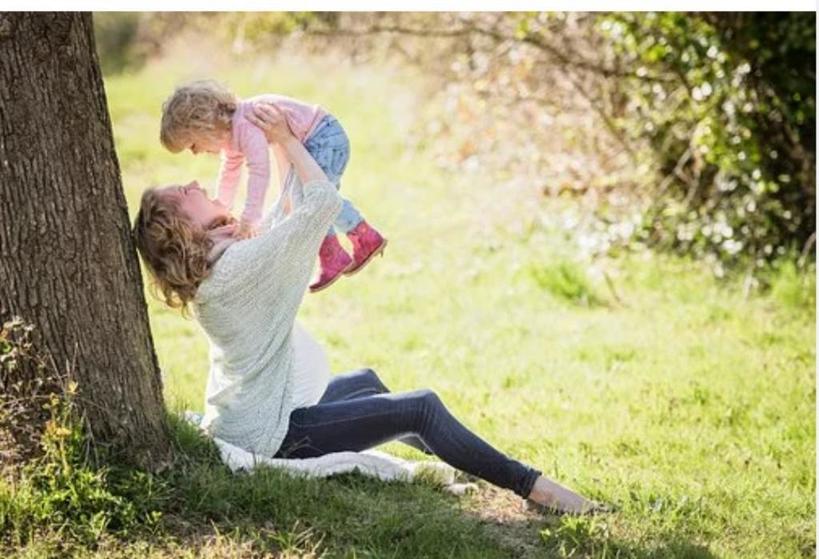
639	380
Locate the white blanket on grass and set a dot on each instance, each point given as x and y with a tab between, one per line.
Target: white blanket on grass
370	462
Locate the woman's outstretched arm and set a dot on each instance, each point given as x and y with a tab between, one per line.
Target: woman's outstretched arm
289	249
271	120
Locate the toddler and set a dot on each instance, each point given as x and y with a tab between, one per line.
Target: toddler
204	117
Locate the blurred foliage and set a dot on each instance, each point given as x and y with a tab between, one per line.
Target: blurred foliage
732	124
116	38
691	132
126	40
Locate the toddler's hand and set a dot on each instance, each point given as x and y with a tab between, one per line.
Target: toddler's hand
246	230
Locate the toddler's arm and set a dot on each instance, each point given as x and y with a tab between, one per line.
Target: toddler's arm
257	153
229	177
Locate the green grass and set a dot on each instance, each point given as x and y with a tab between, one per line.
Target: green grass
686	404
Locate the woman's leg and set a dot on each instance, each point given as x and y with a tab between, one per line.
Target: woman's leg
359	384
369	421
355	384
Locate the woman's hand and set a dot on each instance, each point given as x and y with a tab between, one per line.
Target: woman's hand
245	230
270	119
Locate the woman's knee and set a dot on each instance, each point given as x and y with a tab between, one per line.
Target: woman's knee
426	408
428	398
373	379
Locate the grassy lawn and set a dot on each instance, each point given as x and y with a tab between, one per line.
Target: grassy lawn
673	396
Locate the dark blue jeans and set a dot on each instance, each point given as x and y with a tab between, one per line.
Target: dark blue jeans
358	412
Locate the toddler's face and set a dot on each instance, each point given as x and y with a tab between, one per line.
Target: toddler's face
207	143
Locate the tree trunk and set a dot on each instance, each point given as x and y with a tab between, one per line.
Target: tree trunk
67	261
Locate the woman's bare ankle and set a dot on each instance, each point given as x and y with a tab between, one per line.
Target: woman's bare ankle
553	495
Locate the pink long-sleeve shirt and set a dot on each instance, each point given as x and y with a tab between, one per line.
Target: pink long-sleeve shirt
248	143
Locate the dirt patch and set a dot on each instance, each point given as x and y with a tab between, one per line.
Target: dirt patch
507	522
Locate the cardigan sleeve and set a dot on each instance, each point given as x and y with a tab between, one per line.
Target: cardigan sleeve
266	268
302	231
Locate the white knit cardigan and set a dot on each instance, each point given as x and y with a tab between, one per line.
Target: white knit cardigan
247	308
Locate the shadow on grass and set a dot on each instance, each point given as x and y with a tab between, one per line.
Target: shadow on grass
206	507
530	535
355	516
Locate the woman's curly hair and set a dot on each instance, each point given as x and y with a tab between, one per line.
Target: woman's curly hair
174	249
197	109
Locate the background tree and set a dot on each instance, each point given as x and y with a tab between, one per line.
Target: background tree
67	262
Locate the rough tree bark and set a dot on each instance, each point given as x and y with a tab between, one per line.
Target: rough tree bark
67	260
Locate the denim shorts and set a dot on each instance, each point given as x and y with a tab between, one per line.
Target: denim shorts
330	147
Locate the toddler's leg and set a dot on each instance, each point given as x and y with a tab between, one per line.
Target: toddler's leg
330	147
349	218
367	244
333	260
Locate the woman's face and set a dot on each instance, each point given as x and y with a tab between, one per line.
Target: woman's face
193	201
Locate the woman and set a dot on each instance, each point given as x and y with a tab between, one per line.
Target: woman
268	389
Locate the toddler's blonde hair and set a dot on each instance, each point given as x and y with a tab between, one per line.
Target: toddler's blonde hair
197	109
174	249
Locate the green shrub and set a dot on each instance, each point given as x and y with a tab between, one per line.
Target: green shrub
566	281
792	288
60	488
727	104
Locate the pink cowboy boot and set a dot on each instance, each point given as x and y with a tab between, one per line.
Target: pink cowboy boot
367	242
334	262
